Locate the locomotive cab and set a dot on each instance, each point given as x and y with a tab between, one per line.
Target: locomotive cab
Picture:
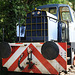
51	22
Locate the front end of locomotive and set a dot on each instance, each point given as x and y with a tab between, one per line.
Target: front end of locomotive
39	53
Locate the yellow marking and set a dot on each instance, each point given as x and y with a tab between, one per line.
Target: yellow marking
35	8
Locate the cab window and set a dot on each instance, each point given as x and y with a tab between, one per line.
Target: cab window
46	9
51	10
65	14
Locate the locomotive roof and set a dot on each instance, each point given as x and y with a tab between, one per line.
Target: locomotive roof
51	5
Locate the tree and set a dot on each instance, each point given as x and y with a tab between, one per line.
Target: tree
7	21
73	2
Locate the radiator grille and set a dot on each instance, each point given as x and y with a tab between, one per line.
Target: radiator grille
36	26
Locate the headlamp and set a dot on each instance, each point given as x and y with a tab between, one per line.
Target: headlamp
33	13
38	12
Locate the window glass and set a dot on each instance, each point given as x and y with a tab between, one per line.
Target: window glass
66	16
46	9
65	13
51	10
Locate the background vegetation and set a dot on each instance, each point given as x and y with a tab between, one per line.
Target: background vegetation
14	11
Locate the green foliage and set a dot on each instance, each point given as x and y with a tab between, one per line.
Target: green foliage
14	11
7	20
73	3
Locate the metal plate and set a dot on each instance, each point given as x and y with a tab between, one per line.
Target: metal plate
5	50
50	50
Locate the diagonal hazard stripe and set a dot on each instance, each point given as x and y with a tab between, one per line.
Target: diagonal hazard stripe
39	57
40	66
14	57
34	69
31	72
62	58
46	64
26	69
56	65
37	64
63	45
61	61
14	49
62	52
15	64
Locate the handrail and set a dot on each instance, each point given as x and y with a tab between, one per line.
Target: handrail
46	16
46	22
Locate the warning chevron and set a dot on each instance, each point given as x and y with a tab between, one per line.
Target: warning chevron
41	65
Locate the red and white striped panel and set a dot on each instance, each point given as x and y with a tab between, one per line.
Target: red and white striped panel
42	65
